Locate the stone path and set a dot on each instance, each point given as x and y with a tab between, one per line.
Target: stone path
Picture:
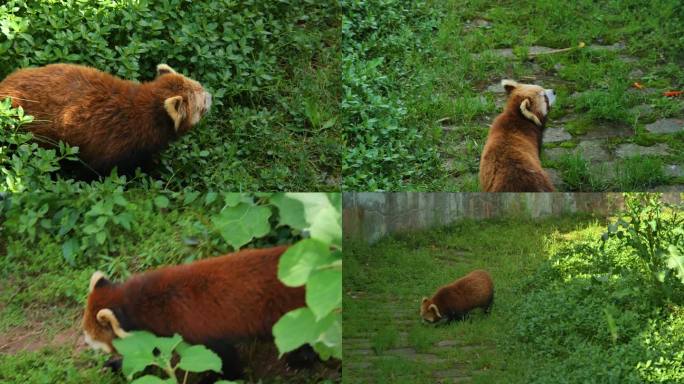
605	145
360	356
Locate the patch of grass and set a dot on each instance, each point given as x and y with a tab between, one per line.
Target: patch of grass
54	365
580	175
639	173
579	126
384	339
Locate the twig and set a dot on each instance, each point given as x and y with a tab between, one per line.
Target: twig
533	55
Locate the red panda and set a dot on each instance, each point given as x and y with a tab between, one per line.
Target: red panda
510	159
454	301
114	122
216	302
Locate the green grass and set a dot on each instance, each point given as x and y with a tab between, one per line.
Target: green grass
273	68
415	76
548	318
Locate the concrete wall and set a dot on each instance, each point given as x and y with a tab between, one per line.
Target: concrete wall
370	216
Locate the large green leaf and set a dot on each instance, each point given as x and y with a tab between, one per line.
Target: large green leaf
149	379
238	225
676	262
199	358
166	345
136	350
291	211
324	291
294	329
300	259
329	341
324	216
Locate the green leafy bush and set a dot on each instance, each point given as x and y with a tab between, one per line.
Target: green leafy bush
24	165
655	231
384	151
272	67
616	299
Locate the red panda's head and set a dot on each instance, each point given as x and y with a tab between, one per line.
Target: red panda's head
533	101
100	325
185	100
429	311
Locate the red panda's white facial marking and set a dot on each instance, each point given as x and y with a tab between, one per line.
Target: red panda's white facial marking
96	345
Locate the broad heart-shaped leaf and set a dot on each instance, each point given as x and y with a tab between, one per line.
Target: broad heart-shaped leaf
241	223
329	342
166	345
324	217
69	249
291	211
324	291
199	358
676	262
300	259
149	379
136	350
295	328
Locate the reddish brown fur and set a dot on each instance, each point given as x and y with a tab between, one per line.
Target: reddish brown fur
114	122
228	298
510	159
455	300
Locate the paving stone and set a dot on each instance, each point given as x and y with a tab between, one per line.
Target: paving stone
496	88
503	52
591	150
628	59
666	126
630	150
447	343
480	23
454	372
555	177
642	110
554	135
643	91
607	131
358	365
667	188
555	153
674	170
636	73
612	48
362	352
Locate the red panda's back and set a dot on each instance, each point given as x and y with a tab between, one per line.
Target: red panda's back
234	296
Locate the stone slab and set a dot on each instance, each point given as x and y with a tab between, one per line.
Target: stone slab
554	135
629	150
666	126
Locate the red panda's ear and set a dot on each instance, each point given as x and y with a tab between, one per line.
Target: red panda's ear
509	85
425	299
106	318
434	308
527	112
163	69
98	279
175	107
